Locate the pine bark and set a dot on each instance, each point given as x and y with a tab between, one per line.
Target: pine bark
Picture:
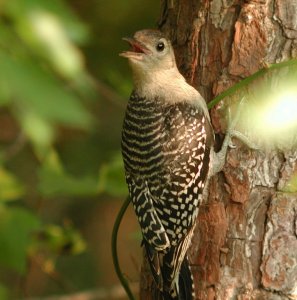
245	242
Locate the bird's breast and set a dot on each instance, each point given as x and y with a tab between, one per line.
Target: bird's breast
142	137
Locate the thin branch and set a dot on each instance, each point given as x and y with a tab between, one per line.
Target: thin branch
114	249
250	79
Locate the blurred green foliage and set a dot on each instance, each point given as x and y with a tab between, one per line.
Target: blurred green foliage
61	91
16	224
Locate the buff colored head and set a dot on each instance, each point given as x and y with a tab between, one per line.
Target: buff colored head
150	51
155	73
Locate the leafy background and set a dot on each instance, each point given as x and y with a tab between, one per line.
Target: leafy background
63	92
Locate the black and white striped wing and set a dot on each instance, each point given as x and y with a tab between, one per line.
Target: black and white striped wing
151	226
187	155
186	152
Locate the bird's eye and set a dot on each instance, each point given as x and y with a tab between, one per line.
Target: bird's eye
160	46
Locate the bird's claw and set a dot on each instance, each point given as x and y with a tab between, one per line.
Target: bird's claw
232	146
220	157
244	139
235	133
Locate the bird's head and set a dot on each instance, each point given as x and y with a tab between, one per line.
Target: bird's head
150	51
156	75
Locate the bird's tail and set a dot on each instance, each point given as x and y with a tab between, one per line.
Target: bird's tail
186	282
185	288
171	273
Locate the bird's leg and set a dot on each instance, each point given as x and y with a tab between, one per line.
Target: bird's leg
219	158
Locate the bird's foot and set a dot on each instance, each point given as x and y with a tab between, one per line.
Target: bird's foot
219	158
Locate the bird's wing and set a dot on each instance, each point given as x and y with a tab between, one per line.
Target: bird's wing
187	157
187	151
165	267
152	228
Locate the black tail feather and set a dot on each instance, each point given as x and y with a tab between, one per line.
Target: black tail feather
185	285
185	282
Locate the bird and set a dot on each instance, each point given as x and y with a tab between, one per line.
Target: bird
167	145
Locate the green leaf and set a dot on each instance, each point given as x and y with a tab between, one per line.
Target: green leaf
53	180
112	178
20	9
59	240
3	292
10	187
53	184
16	227
38	92
46	29
38	130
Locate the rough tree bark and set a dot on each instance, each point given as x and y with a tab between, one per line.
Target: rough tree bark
245	243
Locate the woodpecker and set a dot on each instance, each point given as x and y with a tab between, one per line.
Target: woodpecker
167	141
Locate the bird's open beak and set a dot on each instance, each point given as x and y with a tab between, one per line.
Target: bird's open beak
137	49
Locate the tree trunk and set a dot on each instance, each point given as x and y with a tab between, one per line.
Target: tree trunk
245	243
